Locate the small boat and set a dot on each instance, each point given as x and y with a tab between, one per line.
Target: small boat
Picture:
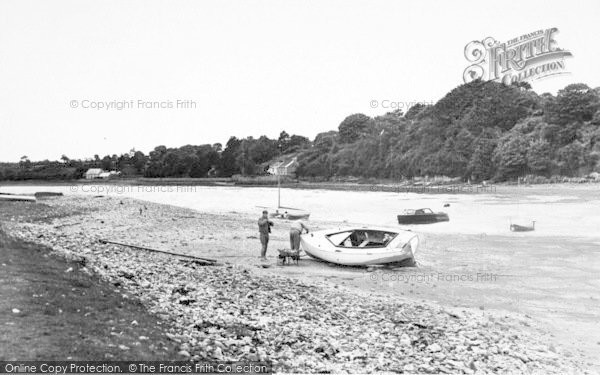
522	228
422	216
16	198
42	194
361	246
290	214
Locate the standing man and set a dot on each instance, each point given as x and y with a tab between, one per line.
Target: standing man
264	228
295	231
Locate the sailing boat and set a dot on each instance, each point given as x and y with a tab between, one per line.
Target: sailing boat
521	228
282	212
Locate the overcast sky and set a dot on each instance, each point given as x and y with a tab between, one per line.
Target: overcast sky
252	67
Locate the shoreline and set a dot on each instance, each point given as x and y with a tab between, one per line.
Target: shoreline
374	186
233	295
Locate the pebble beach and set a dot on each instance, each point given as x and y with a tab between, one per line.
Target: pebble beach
240	309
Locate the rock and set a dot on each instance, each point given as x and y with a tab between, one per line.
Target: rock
405	340
409	368
16	311
123	347
218	353
184	353
472	366
524	358
435	347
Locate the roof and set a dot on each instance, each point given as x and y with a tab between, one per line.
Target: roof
94	171
285	163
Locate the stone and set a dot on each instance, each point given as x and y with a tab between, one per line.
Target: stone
405	340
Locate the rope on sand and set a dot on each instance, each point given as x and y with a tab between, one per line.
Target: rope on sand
158	251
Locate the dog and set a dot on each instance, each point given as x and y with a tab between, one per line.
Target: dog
288	256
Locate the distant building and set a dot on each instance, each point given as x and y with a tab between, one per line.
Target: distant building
97	173
93	173
284	167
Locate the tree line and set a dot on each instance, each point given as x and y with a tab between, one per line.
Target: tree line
478	131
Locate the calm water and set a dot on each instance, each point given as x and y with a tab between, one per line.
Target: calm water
562	212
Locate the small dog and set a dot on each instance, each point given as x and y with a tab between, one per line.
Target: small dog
288	256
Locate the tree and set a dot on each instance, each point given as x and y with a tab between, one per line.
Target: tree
511	155
25	163
539	157
481	165
283	143
297	142
570	158
353	127
139	161
228	163
414	111
575	103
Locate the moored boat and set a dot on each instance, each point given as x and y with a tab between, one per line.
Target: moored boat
355	246
422	216
522	228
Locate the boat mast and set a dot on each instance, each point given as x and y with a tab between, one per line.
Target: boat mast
278	189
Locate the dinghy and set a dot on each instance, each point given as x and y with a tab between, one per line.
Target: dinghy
16	198
288	213
522	228
422	216
355	246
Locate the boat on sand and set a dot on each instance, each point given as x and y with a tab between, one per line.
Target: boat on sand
422	216
522	228
16	198
290	213
355	246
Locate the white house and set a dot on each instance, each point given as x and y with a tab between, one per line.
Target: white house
284	168
93	173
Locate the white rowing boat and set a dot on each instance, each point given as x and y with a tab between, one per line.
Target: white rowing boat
356	246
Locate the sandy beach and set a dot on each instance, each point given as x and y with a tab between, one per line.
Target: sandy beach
474	303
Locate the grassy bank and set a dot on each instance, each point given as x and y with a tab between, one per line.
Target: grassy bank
54	308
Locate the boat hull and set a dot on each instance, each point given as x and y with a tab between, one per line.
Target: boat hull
520	228
290	214
316	245
16	198
423	218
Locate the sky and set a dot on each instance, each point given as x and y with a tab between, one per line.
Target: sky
244	68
